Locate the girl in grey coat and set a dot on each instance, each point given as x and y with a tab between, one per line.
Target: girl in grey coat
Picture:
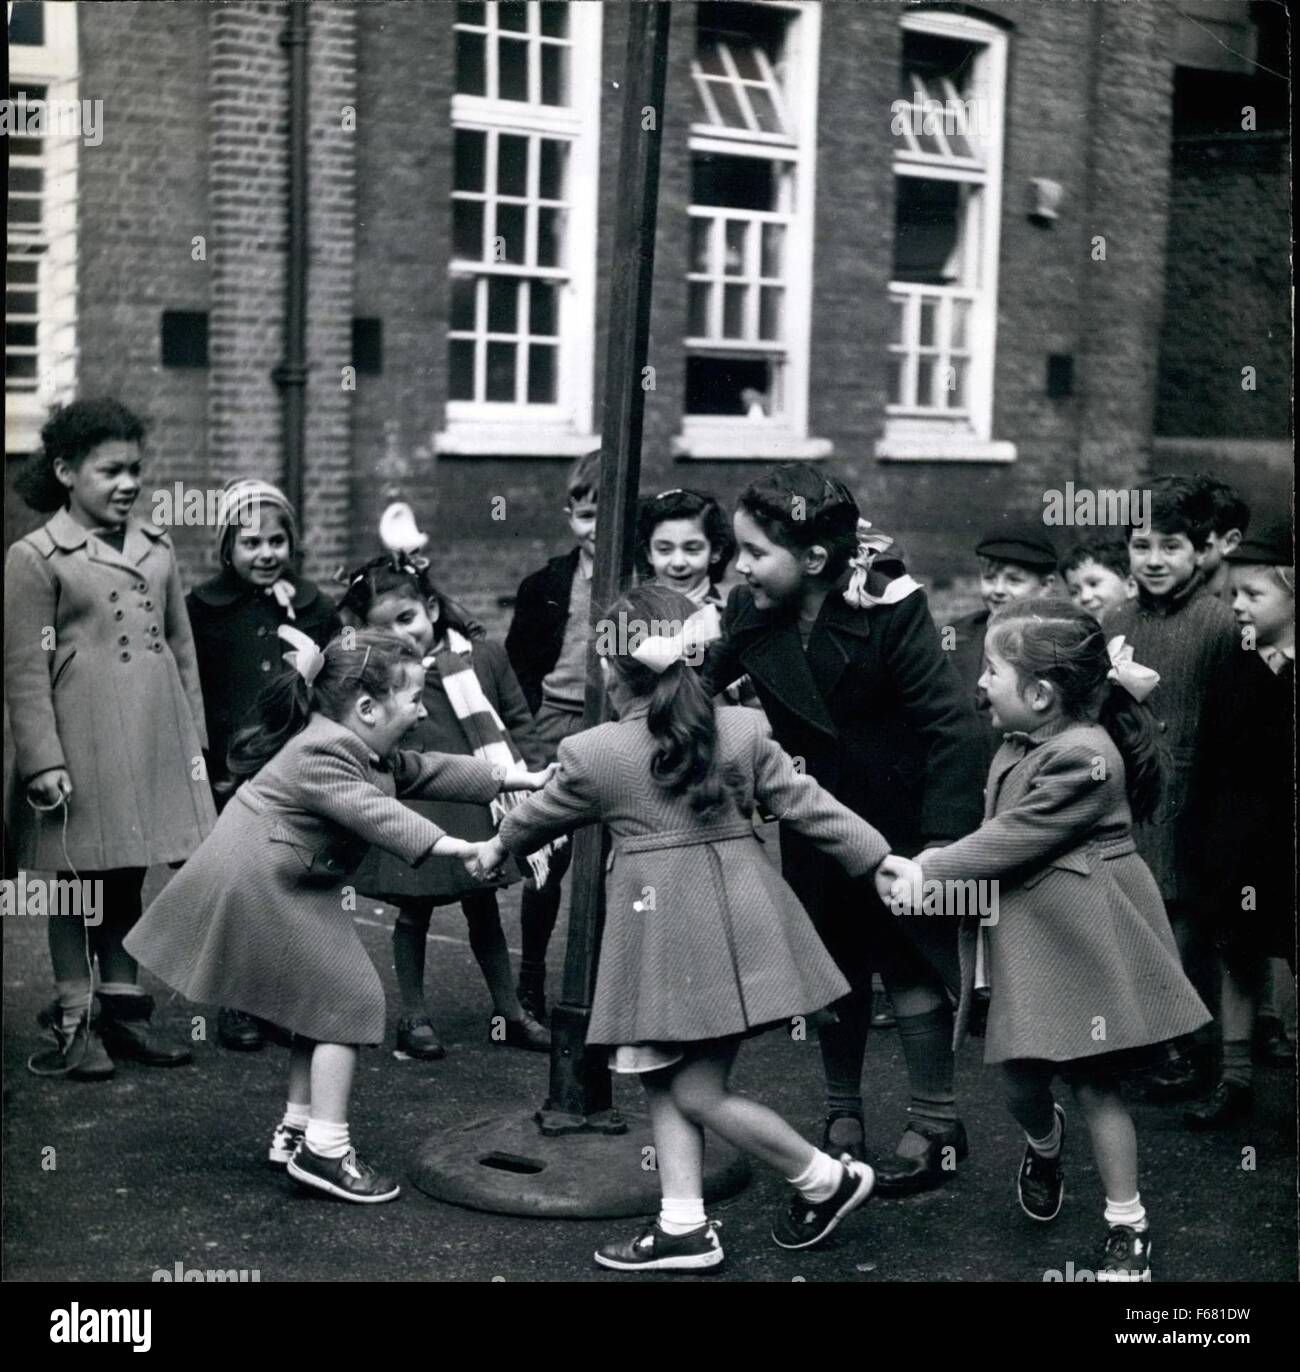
703	942
1077	949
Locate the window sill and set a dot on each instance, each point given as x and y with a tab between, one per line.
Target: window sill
742	443
937	447
487	440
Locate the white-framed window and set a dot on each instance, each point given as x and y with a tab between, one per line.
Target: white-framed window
525	118
749	272
947	127
45	129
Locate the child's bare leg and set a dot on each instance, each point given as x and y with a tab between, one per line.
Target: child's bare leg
1114	1140
333	1066
679	1156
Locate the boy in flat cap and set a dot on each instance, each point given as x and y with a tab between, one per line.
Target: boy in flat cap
1015	560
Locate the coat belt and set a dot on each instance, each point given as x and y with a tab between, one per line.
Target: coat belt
685	838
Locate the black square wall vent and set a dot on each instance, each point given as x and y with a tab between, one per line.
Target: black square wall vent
185	338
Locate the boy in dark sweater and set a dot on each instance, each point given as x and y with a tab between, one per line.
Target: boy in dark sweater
1175	626
547	647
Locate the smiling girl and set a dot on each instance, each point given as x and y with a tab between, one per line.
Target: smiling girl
684	542
107	719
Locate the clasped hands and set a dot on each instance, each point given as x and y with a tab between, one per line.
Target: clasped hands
898	881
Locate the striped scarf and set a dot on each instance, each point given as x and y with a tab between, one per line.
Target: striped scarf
483	728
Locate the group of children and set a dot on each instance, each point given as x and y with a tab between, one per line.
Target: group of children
394	752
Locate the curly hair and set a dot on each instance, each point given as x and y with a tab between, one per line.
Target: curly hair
395	574
798	507
658	509
71	434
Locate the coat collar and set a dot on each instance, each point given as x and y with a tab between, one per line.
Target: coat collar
68	535
228	588
769	648
340	737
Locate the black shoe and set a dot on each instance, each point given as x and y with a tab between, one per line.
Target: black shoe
1228	1103
654	1251
527	1033
800	1223
1126	1255
346	1178
1041	1183
79	1052
532	1000
417	1038
239	1032
854	1151
1271	1047
1181	1078
908	1176
882	1015
125	1030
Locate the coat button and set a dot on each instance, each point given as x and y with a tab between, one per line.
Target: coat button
266	666
155	647
153	628
117	614
148	605
261	631
123	640
142	586
1163	726
112	595
126	657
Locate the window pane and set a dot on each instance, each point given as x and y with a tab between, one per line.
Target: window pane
733	312
471	156
555	19
20	302
764	110
550	184
708	56
742	54
555	68
471	70
747	183
460	383
925	380
769	313
773	246
467	229
464	290
512	74
20	368
929	321
897	316
24	147
24	211
27	24
957	383
471	14
714	384
510	227
512	164
550	231
699	258
724	97
541	376
513	14
21	335
927	231
501	371
896	396
734	260
543	304
26	179
697	325
960	323
503	298
21	270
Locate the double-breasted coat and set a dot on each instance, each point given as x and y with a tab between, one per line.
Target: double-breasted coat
259	919
100	679
703	938
878	716
1082	958
238	651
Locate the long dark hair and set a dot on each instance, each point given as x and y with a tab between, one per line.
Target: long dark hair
681	711
73	432
655	510
357	661
396	574
1050	639
798	506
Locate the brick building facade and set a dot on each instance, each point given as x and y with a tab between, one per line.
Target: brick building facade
947	248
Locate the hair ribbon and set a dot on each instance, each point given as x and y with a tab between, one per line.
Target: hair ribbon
1137	680
305	657
663	650
872	584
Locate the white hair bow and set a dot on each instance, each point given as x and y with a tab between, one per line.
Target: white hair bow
1137	680
305	657
660	652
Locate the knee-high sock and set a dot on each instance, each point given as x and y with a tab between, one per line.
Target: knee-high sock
927	1049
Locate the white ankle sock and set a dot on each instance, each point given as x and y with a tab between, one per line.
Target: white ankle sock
819	1180
296	1116
677	1216
1133	1213
326	1139
1050	1146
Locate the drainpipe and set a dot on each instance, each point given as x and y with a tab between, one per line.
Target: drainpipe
291	375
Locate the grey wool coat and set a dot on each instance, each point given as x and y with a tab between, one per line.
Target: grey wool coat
1082	959
703	938
101	679
260	919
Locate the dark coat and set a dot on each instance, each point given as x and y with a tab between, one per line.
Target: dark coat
234	628
1083	960
536	632
702	937
445	879
260	920
100	679
968	658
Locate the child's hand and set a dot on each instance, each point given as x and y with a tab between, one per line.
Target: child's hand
524	780
50	788
898	884
489	858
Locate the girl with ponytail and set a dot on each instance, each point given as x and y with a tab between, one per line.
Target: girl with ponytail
260	918
703	943
1076	949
